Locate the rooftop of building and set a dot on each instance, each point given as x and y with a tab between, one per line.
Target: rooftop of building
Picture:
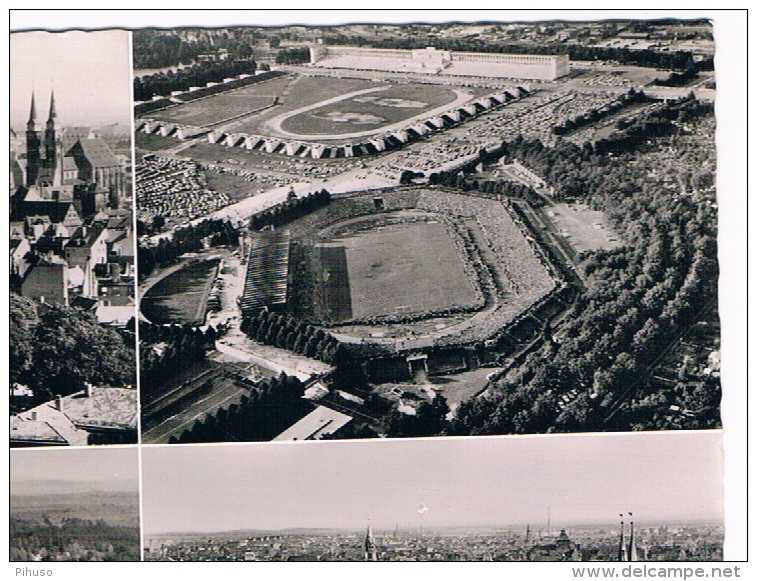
102	407
66	420
45	425
115	315
96	151
318	423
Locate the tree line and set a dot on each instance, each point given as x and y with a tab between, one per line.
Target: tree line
298	336
678	79
182	345
293	56
634	134
632	97
490	187
191	238
263	413
673	60
145	88
293	208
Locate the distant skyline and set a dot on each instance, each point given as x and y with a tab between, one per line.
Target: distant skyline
90	73
433	483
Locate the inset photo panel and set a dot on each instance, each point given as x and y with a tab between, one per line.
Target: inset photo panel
72	240
610	497
444	229
74	505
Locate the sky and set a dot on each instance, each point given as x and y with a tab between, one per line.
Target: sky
90	73
433	483
111	468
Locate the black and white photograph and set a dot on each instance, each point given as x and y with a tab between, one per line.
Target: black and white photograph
378	286
623	497
72	241
74	505
373	230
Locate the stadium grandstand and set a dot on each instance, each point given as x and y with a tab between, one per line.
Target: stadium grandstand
265	284
433	61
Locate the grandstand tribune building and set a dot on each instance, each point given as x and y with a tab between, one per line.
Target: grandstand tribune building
431	60
265	284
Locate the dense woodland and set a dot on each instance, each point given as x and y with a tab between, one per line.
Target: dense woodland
639	297
159	50
73	539
55	350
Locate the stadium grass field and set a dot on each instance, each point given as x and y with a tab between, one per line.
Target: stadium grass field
224	106
403	268
181	297
216	108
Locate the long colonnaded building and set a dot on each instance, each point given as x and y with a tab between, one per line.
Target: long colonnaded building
433	61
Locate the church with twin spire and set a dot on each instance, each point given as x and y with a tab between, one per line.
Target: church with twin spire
65	163
70	239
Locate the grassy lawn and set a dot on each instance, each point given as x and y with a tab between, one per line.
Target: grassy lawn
405	268
584	228
147	143
213	109
305	91
369	111
236	187
181	296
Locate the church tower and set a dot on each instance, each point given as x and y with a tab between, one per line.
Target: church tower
633	554
622	549
33	144
371	554
627	551
51	157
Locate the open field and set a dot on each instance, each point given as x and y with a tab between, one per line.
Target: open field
585	229
225	106
303	92
115	508
181	296
218	108
404	269
368	110
235	186
145	143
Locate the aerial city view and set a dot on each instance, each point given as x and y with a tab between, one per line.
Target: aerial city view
584	498
72	241
420	230
368	292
